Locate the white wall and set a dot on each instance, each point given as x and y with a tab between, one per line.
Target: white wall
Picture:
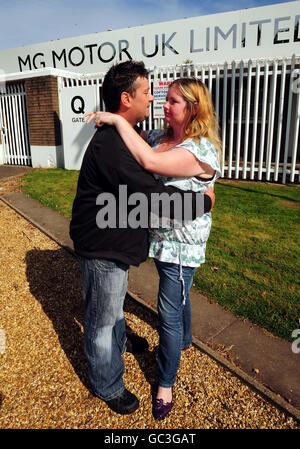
47	156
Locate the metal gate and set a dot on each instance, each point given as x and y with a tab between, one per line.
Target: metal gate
257	104
14	125
258	108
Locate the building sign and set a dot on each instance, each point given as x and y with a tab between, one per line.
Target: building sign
267	31
160	90
74	103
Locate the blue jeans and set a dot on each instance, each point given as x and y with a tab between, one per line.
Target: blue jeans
104	289
174	314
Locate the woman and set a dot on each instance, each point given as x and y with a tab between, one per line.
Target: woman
186	155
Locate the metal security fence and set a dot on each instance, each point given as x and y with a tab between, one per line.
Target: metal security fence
257	104
14	125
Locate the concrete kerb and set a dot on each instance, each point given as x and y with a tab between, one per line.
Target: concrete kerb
257	386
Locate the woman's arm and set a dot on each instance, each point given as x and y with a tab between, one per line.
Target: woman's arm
179	163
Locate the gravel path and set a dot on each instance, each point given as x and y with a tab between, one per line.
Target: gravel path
43	378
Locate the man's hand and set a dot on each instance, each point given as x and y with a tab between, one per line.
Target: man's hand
210	192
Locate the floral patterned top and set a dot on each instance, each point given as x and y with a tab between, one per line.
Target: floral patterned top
185	245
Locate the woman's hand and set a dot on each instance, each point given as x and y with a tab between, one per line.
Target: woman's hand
100	118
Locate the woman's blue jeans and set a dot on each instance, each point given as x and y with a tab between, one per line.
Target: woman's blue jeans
104	289
174	313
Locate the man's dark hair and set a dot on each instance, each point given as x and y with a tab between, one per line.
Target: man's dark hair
121	78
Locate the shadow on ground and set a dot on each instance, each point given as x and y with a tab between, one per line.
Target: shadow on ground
247	189
54	279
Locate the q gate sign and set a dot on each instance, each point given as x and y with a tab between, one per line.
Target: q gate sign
75	102
264	32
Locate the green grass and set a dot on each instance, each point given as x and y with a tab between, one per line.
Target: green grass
54	188
254	245
253	253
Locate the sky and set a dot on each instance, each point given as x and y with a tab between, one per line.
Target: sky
26	22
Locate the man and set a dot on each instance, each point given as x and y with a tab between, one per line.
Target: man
105	254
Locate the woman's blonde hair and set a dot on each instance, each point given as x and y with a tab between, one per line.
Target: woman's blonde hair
201	119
